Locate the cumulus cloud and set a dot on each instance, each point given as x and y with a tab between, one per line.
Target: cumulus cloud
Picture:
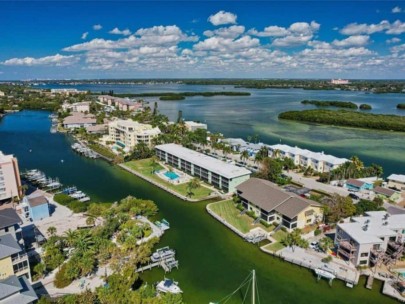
117	31
396	10
357	40
226	32
270	31
393	40
395	28
222	18
84	35
97	27
55	60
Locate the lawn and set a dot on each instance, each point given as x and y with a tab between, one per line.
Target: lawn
228	211
279	235
274	247
144	167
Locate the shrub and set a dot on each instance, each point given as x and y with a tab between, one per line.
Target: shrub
62	199
251	214
327	259
317	232
62	277
365	106
283	229
265	224
240	207
77	206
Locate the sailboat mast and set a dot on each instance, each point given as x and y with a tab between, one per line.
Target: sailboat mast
253	286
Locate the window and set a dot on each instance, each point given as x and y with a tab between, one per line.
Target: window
6	229
363	262
294	226
364	254
308	221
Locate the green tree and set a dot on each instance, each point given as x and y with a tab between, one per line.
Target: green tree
326	243
51	231
271	169
338	207
191	185
244	156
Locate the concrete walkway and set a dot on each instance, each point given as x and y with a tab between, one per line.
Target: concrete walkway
156	231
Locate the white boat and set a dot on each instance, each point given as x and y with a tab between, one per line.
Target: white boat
168	286
78	194
162	254
325	273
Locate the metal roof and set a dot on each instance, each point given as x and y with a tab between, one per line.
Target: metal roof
8	246
8	217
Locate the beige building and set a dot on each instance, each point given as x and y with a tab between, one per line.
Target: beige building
10	182
2	94
192	125
396	181
77	107
122	104
79	120
274	205
128	133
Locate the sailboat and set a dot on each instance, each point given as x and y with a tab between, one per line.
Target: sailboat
251	283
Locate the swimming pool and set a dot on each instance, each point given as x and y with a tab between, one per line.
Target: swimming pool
171	175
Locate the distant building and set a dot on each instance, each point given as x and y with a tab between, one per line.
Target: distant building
339	81
358	185
10	182
122	104
67	91
13	258
16	290
274	205
386	193
128	133
79	120
396	181
2	94
35	206
10	224
77	107
192	125
220	174
376	238
97	129
320	162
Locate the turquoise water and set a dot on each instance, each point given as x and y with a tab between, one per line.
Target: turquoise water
171	175
244	116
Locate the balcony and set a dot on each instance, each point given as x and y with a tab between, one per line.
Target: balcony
19	258
347	246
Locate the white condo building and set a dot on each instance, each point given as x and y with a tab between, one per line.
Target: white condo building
375	238
128	133
319	161
340	81
10	183
216	172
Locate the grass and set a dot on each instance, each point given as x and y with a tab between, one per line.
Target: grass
274	247
228	211
144	167
279	235
102	150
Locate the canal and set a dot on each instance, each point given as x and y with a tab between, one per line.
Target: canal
213	261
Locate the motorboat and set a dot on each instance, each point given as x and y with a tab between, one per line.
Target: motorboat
168	286
162	254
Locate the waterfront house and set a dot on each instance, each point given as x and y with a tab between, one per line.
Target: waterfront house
276	206
16	290
10	182
67	92
396	181
318	161
13	258
35	206
358	185
10	224
192	125
128	133
216	172
79	120
386	193
97	129
375	238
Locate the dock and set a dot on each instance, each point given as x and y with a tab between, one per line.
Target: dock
370	281
163	257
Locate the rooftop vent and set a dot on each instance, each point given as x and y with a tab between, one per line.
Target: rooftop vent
365	227
385	223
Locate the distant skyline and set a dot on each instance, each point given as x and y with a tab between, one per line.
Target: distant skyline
202	39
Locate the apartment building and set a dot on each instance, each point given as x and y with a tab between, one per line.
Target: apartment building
376	238
79	120
318	161
396	181
128	133
122	104
218	173
192	125
77	107
10	182
16	290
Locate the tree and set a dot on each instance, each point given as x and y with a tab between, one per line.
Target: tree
154	163
226	150
90	220
179	116
326	243
338	207
288	164
365	205
191	185
276	153
357	163
40	269
155	109
271	169
70	237
244	155
293	239
51	231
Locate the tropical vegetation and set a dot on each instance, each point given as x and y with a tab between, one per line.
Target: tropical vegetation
330	103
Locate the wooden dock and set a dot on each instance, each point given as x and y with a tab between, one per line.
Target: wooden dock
167	265
370	281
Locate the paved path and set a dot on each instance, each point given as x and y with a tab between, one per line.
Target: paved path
313	184
156	231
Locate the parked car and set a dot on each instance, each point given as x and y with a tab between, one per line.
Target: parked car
354	196
314	245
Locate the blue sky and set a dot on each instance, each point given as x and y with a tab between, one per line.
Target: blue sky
264	39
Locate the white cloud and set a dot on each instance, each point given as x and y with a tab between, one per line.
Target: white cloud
97	27
222	17
290	41
393	40
226	32
221	44
395	28
357	40
55	60
84	35
396	10
398	48
270	31
117	31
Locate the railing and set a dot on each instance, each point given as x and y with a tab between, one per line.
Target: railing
18	258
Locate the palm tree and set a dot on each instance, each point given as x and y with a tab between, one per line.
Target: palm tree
244	155
326	243
276	153
358	164
70	237
90	220
84	242
226	150
191	185
154	163
51	231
